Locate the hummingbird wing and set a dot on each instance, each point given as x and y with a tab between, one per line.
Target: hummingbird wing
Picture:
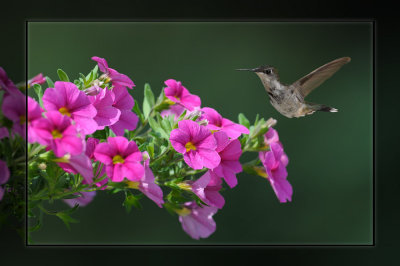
309	82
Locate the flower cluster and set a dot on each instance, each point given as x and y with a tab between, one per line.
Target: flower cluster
89	135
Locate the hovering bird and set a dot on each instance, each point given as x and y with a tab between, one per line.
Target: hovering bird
289	99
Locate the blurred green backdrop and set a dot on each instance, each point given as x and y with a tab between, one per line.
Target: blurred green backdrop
330	154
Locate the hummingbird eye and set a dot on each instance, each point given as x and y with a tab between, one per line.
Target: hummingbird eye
268	71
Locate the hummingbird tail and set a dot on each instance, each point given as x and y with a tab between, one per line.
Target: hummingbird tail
325	108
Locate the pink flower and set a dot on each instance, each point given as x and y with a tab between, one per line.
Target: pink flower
230	152
4	133
14	108
196	143
128	119
275	161
77	164
58	133
197	221
122	159
106	114
67	99
91	144
147	185
117	79
83	200
175	110
34	113
4	176
38	79
217	123
5	83
179	94
207	189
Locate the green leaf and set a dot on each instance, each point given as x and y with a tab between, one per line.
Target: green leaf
35	227
62	75
243	120
131	200
150	149
66	219
157	128
50	83
136	109
39	92
148	101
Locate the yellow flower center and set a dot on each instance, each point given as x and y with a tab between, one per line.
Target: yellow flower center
183	212
176	97
214	130
260	171
107	80
56	134
64	111
133	184
168	101
118	159
22	119
190	146
64	159
184	186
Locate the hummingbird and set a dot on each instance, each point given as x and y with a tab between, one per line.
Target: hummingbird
289	99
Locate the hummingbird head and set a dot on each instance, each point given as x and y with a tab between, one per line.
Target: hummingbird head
266	73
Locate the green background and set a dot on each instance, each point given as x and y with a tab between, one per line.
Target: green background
330	155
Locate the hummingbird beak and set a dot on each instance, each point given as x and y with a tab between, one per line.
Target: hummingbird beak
245	69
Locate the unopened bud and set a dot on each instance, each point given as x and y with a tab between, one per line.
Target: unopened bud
203	122
42	166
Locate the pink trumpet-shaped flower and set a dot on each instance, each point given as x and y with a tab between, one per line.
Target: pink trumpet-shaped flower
175	110
117	79
122	159
196	143
106	114
275	161
14	108
207	189
147	184
91	144
77	164
197	221
179	94
83	200
59	134
38	79
217	123
67	99
128	119
4	176
230	152
4	133
34	113
5	83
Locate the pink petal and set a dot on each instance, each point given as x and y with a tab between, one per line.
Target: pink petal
232	129
102	63
178	139
123	100
83	200
193	159
133	171
4	172
104	153
119	144
210	158
128	120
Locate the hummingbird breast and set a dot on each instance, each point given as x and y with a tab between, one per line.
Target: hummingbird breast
286	100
